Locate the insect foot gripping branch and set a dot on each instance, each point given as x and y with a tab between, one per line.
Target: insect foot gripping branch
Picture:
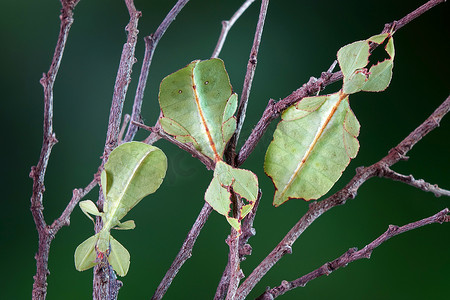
133	171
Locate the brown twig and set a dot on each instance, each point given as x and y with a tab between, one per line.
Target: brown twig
49	140
151	42
226	26
418	183
185	252
274	109
396	25
352	255
126	120
244	249
157	130
106	285
251	67
316	209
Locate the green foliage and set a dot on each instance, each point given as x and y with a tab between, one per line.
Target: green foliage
198	106
133	171
354	59
317	137
312	145
226	178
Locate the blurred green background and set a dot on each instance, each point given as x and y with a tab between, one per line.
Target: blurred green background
300	40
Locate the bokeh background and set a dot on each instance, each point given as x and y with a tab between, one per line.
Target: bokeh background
300	40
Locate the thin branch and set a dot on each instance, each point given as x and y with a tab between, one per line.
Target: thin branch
274	109
185	252
244	249
126	120
151	42
226	26
317	208
105	284
123	79
418	183
234	271
396	25
352	255
49	140
77	195
251	67
157	130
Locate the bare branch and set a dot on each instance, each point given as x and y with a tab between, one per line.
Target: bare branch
396	25
151	42
226	26
317	208
49	140
352	255
185	252
77	195
157	130
123	79
274	109
251	67
418	183
244	249
126	120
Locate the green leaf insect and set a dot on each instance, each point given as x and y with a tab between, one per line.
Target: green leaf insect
317	137
311	147
243	182
354	59
133	171
198	106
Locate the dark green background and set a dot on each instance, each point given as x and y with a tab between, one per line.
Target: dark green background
300	40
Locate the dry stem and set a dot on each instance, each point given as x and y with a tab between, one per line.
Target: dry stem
46	233
352	255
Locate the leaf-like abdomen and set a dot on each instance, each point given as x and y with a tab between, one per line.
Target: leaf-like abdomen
308	154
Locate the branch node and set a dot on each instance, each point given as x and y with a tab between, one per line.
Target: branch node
392	228
286	249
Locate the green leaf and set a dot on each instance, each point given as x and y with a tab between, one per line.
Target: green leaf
312	146
104	183
119	258
379	38
85	254
198	106
380	77
127	225
354	59
134	170
243	182
88	207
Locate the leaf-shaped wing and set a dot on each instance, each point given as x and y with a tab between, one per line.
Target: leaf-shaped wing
312	146
134	170
85	254
89	208
119	258
198	101
218	195
353	60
